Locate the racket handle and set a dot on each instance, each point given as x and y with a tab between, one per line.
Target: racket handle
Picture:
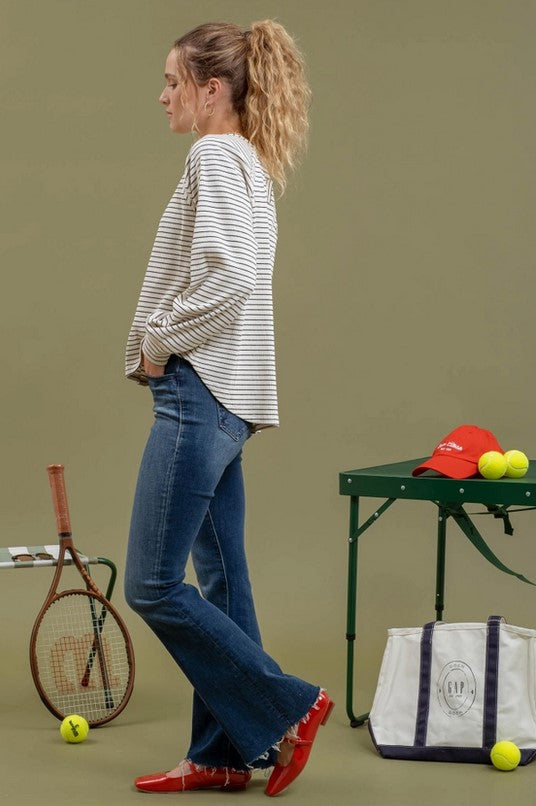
59	499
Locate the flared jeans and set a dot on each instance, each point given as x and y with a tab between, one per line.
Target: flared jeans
189	500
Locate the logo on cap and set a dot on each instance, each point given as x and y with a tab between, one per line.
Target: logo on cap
458	453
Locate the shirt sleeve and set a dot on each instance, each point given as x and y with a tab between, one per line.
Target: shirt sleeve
223	260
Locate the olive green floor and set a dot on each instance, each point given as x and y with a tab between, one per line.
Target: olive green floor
308	640
38	767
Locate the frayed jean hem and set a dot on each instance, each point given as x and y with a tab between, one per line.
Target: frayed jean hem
290	731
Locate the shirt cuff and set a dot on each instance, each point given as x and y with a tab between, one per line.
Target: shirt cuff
154	352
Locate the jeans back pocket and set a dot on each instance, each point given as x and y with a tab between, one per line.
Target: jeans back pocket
232	424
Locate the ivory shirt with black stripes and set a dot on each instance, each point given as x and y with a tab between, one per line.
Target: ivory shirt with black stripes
207	292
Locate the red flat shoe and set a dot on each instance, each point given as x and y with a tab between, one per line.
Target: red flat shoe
192	776
318	715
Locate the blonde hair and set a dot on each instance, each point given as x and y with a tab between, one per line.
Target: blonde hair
269	91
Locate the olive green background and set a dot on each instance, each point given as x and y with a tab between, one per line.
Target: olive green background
404	291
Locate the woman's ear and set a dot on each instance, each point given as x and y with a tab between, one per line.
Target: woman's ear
214	87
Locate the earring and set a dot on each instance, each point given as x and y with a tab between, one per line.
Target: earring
211	110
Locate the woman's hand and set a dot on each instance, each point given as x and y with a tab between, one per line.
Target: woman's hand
154	370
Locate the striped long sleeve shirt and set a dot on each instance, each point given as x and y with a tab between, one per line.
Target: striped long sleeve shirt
207	292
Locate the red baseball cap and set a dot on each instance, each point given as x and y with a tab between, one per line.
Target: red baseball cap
458	453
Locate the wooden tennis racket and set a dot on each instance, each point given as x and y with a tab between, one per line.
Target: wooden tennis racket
81	654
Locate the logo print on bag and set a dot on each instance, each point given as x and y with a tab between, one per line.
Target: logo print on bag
456	688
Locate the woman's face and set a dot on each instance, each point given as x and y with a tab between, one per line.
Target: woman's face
179	99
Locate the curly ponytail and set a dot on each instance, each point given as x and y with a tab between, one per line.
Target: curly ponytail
269	91
277	102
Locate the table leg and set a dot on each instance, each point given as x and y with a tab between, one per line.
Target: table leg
355	533
440	570
353	539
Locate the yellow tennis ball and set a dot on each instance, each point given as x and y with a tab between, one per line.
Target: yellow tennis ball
74	729
505	756
492	465
517	464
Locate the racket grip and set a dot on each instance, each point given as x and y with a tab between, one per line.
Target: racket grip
59	499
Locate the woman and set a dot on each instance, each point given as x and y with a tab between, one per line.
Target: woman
202	339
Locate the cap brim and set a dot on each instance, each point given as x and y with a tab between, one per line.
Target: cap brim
449	466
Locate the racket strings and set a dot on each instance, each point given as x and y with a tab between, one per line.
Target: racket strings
82	657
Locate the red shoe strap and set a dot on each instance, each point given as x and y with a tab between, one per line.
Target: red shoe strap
298	742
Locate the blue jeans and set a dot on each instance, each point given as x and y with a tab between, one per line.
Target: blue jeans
190	499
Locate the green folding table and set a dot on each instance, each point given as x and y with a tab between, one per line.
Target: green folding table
394	482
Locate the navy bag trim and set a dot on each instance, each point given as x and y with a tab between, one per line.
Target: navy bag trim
491	688
425	673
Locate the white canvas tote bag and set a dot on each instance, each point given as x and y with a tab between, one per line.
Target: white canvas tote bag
448	692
